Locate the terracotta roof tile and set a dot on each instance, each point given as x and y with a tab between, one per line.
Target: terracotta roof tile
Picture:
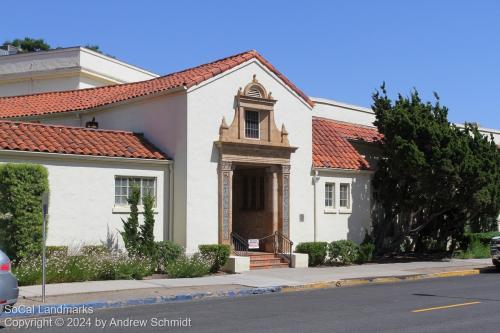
63	101
331	146
23	136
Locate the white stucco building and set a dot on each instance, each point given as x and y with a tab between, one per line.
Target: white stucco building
63	69
231	149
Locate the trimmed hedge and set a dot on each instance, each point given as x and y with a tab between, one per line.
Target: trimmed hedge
166	252
343	252
21	189
315	250
215	254
188	267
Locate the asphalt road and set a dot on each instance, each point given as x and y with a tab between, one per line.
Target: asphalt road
464	304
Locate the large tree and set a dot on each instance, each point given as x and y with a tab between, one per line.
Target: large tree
434	178
28	45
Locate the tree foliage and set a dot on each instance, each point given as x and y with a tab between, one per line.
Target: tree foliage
130	234
21	189
147	240
28	45
434	178
139	238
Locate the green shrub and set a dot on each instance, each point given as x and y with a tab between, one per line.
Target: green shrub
366	251
94	249
343	252
166	252
215	254
135	268
54	250
86	267
21	189
481	237
315	250
188	267
130	235
146	234
475	250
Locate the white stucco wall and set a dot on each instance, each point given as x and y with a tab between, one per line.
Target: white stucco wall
331	109
162	120
340	223
82	192
40	84
207	104
63	69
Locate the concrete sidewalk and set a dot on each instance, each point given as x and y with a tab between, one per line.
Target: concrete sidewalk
281	277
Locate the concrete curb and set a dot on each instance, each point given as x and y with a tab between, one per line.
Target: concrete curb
70	308
58	309
378	280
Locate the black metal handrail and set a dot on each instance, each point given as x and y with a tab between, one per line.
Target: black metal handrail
280	245
239	244
284	247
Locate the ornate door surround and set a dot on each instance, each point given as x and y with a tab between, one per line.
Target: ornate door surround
271	149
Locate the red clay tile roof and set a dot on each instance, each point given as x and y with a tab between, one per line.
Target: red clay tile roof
73	100
23	136
331	146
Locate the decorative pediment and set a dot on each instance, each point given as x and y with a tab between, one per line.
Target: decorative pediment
253	121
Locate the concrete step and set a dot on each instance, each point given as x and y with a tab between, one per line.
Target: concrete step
265	261
267	266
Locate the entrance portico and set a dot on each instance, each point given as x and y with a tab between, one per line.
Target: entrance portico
254	169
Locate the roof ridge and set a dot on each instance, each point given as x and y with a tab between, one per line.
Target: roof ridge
63	92
345	122
40	104
17	122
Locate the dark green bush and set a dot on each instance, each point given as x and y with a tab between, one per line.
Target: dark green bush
21	189
481	237
366	251
215	254
188	267
343	252
146	229
165	253
315	250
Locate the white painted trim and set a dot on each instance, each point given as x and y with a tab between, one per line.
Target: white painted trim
18	153
45	74
126	209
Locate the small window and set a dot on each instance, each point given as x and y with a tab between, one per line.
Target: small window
329	195
124	185
344	195
252	124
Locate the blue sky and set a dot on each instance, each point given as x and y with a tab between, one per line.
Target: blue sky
341	50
